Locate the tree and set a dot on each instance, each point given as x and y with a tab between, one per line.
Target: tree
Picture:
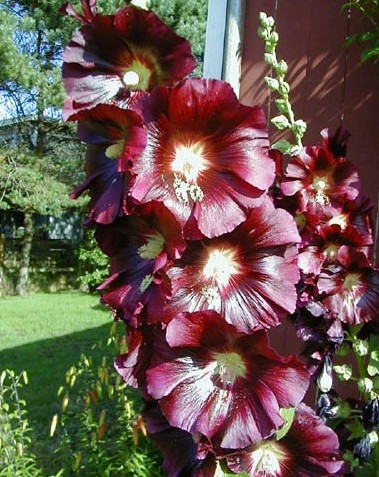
187	19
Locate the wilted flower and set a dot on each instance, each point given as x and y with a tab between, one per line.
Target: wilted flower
206	157
362	449
249	275
309	449
370	414
224	384
112	57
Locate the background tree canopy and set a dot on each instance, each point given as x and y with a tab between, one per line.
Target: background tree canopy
41	159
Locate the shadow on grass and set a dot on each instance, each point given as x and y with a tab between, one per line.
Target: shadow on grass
46	363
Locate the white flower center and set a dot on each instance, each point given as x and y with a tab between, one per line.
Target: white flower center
213	297
189	162
267	459
340	220
115	150
319	185
221	265
131	79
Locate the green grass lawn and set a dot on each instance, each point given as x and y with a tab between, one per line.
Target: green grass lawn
45	334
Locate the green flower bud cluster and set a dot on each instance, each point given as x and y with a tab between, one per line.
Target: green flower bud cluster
277	84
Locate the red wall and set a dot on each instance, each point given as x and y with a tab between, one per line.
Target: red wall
329	85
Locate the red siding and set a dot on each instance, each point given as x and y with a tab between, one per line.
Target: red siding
329	85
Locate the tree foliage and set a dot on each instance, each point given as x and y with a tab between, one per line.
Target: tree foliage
40	158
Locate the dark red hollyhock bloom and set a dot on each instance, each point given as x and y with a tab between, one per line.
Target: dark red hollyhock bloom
139	248
116	137
108	187
121	131
113	57
355	213
352	289
206	156
182	451
325	245
322	335
132	366
249	275
309	449
320	180
337	143
227	385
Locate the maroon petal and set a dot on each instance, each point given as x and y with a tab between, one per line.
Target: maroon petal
206	156
113	56
309	449
213	379
249	274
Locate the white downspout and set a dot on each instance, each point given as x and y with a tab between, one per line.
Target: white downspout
223	43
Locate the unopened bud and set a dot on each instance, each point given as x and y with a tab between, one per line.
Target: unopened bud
365	385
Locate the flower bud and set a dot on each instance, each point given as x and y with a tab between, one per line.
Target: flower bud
362	450
284	88
272	83
280	122
361	348
274	37
344	372
365	385
282	67
263	33
370	414
325	379
270	59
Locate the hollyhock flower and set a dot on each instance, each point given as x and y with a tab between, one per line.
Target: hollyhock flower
337	143
227	385
320	180
356	214
249	275
322	334
132	366
206	156
325	245
108	187
352	290
115	137
139	248
182	450
120	130
309	449
113	57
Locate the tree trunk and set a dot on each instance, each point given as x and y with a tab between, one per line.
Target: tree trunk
23	273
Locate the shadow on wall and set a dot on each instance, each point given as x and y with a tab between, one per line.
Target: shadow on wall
329	85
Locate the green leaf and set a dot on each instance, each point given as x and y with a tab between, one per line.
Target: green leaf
286	147
355	429
373	365
222	470
288	415
370	53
